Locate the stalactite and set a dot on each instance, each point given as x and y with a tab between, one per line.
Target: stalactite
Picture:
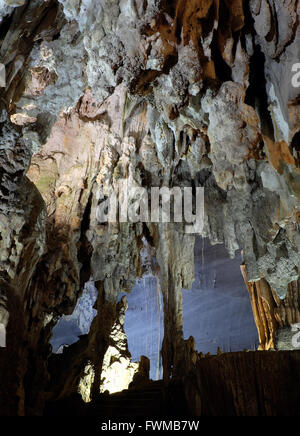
270	312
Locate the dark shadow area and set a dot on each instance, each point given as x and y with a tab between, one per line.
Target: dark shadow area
295	146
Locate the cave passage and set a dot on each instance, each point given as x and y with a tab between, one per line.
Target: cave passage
69	328
127	130
217	311
144	323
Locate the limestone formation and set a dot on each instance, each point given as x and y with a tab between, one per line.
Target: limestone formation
156	93
118	371
272	314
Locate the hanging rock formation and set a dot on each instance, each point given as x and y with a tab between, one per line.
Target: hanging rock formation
271	313
155	93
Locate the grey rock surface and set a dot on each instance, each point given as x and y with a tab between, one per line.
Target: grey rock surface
184	93
70	327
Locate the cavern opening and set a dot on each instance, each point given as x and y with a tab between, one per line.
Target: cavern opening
144	323
217	311
70	327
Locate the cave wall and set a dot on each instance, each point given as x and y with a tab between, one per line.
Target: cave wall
160	93
70	327
272	314
245	384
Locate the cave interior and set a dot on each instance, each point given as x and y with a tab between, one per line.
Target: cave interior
149	208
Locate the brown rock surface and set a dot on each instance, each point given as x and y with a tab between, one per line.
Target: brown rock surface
246	384
270	312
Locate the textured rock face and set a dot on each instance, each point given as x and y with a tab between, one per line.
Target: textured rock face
71	327
245	384
7	6
272	314
157	93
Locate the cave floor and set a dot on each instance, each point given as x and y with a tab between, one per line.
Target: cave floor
256	383
152	400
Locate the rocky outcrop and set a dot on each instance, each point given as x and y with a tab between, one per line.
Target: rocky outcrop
245	384
270	312
233	384
118	370
156	93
